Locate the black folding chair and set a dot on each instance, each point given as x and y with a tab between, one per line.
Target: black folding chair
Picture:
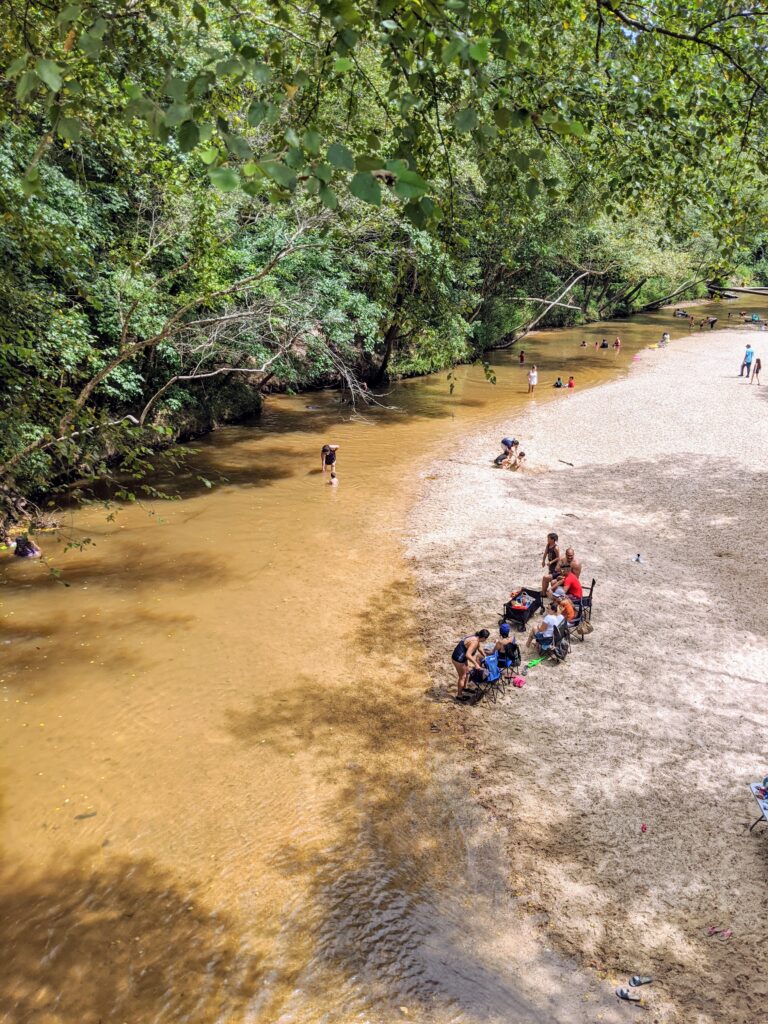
586	602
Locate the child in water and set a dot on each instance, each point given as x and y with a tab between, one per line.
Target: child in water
333	482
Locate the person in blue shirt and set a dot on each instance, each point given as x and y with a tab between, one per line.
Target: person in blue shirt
509	446
746	363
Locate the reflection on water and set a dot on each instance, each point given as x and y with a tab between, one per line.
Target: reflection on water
220	799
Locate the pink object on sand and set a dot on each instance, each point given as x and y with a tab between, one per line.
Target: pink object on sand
518	681
643	827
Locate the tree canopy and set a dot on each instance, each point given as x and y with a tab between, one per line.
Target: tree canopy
202	200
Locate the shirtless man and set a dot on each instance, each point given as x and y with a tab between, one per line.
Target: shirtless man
573	561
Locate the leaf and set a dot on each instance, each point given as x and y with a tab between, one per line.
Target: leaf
200	13
49	72
480	50
26	85
224	179
340	156
90	44
328	198
176	114
69	14
502	117
323	171
465	120
292	138
69	128
256	113
279	173
312	141
17	66
209	155
368	163
451	50
410	185
188	136
343	64
365	187
532	188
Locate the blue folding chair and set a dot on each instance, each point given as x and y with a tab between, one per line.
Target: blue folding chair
487	679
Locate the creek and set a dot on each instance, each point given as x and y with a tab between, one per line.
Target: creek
221	794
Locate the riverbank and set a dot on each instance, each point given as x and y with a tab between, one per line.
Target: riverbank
657	719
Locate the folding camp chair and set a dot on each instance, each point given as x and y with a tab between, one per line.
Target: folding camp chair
487	679
586	602
558	645
509	662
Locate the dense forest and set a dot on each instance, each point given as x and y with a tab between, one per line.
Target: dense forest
201	201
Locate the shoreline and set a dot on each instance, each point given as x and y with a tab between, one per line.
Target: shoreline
657	718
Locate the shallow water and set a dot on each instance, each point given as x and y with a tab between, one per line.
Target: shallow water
220	794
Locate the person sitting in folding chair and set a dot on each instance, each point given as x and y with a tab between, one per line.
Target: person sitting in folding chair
508	651
544	635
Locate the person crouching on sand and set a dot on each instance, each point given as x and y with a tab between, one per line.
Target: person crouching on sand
467	654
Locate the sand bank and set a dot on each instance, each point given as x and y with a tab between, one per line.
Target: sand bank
661	716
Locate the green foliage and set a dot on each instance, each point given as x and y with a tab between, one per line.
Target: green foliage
201	200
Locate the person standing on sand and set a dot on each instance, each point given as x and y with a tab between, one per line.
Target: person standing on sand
746	363
550	558
533	379
467	655
756	371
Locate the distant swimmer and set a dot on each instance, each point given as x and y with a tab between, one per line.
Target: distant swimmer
26	548
711	320
333	482
571	382
604	343
328	455
521	357
583	344
617	343
558	383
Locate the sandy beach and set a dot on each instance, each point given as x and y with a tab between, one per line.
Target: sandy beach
659	719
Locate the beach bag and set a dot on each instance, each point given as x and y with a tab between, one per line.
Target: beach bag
584	628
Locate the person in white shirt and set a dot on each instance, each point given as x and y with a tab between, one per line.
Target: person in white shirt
546	629
533	379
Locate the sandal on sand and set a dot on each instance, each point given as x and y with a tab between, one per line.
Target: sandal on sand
630	997
638	979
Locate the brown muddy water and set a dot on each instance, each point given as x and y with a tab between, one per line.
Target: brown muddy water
221	797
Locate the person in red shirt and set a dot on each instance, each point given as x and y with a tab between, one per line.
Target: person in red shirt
569	584
571	383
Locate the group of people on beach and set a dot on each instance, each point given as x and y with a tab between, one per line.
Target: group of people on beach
561	590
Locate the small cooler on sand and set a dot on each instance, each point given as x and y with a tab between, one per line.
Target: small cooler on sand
521	607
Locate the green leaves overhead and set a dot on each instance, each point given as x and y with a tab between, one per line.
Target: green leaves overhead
433	85
366	187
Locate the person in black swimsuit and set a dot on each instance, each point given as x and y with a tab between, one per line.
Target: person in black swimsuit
467	655
550	558
328	455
